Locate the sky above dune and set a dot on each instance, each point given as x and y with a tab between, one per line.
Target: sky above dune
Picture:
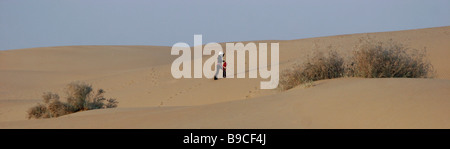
43	23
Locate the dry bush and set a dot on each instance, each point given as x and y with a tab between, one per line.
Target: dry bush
80	97
323	66
320	66
52	107
389	59
38	111
371	59
111	103
77	96
290	78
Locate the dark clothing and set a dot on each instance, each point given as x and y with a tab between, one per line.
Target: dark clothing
224	68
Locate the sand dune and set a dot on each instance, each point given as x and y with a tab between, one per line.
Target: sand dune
139	77
340	103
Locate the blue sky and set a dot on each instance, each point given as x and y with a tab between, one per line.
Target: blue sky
32	23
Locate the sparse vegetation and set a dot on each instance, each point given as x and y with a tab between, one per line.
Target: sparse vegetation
389	59
319	67
80	97
370	59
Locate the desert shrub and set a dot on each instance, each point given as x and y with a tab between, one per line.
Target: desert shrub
290	78
370	59
389	59
80	97
38	111
320	66
77	96
57	108
323	66
111	103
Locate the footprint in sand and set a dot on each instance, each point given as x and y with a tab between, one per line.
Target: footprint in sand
154	77
253	92
182	91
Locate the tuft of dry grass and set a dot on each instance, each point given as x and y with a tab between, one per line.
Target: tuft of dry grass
80	97
370	59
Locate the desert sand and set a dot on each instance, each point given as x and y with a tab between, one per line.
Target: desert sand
149	97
